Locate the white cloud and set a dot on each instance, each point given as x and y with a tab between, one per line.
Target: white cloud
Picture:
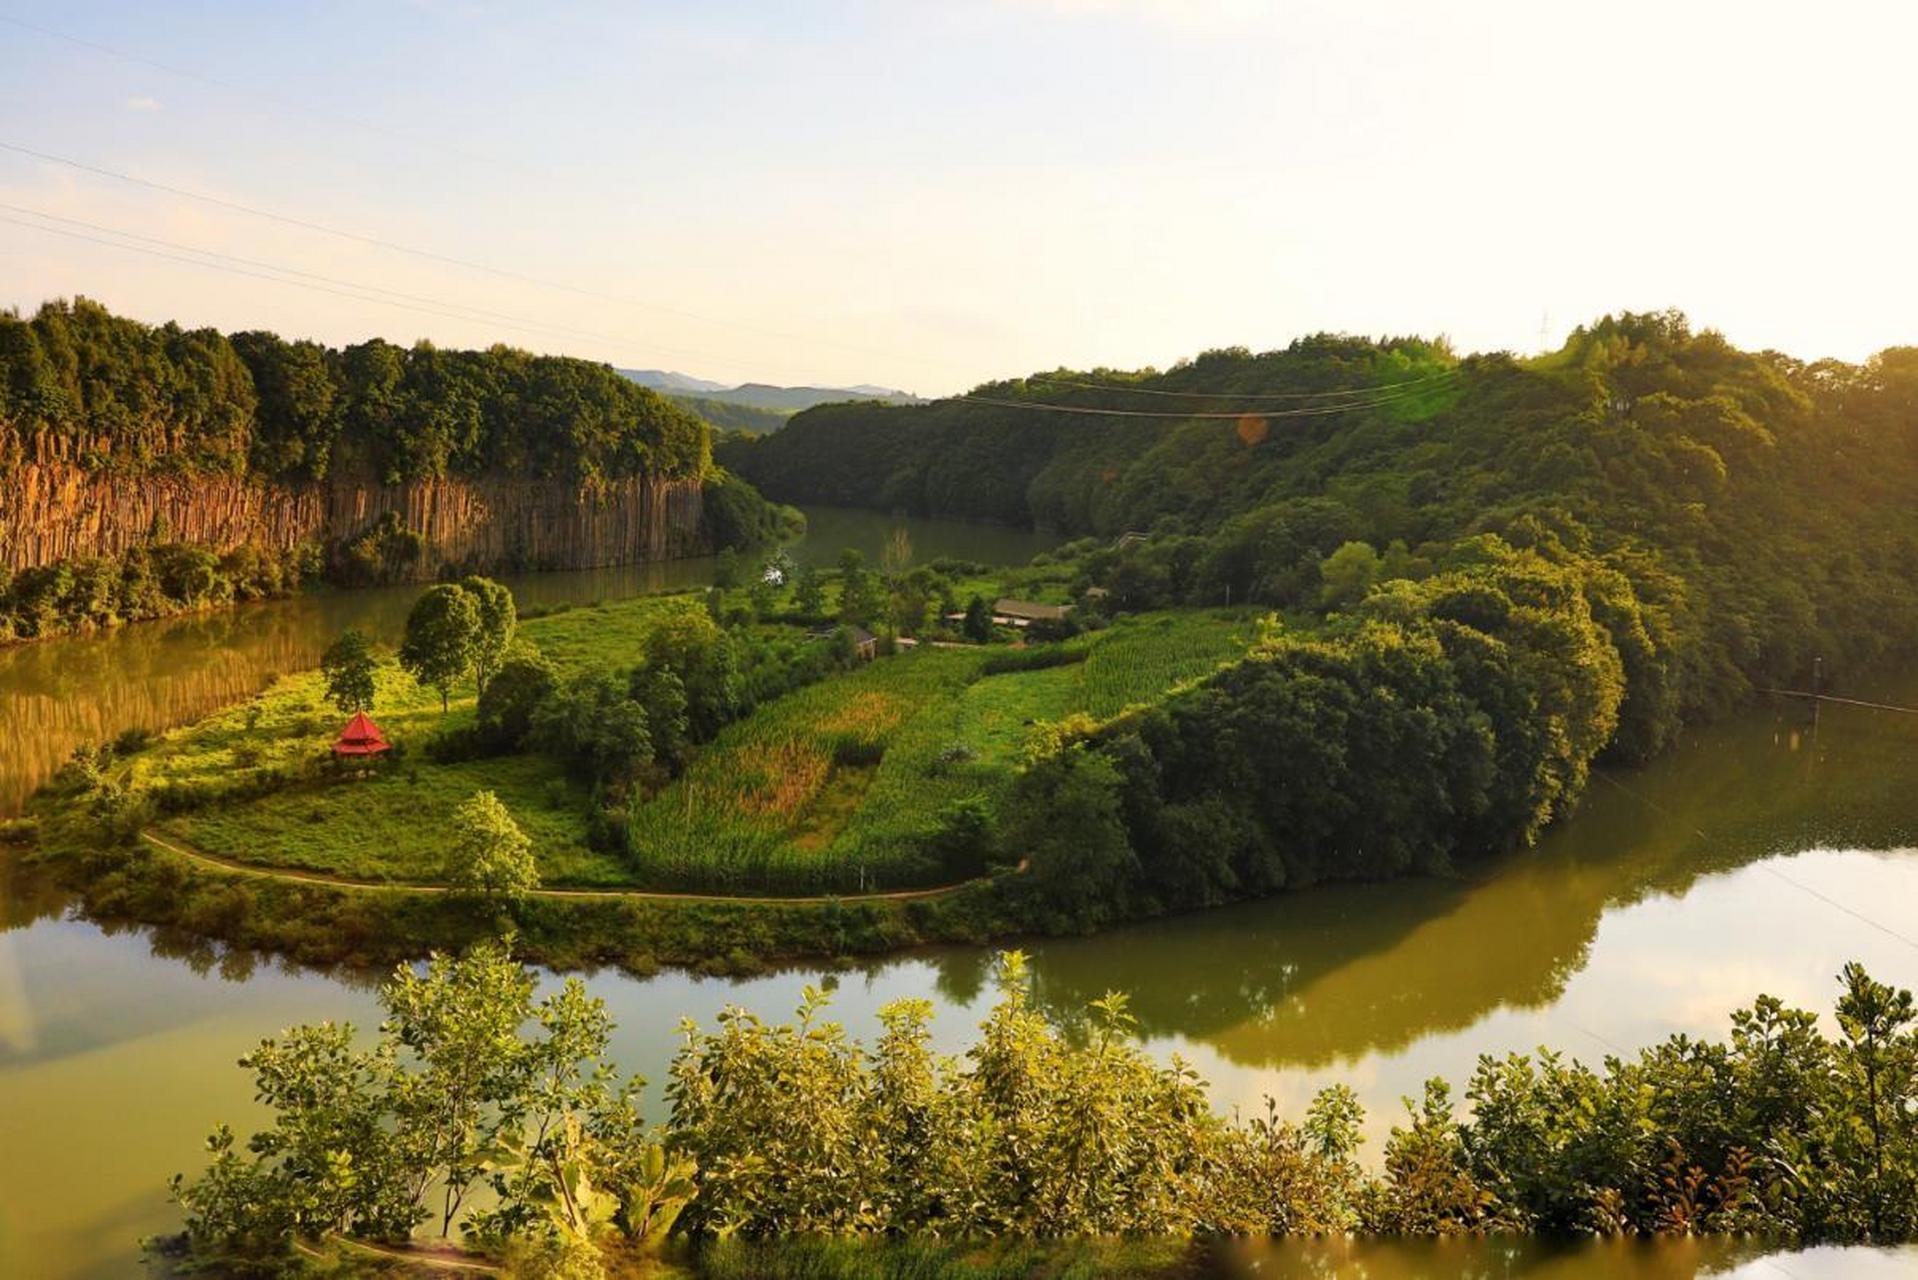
141	102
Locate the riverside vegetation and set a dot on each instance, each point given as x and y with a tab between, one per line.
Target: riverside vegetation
738	760
1453	596
1393	640
529	1149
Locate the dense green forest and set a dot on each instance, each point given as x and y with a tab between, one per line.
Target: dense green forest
1497	570
728	416
113	394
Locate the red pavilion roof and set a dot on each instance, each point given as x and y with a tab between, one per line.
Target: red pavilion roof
361	737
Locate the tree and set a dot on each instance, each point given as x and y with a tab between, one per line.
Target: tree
592	724
442	638
909	605
1877	1137
809	597
508	702
374	1142
662	695
763	591
1347	574
707	663
859	596
491	858
978	623
726	569
348	666
1064	817
498	623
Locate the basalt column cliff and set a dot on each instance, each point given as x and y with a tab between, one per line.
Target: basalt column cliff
55	512
147	470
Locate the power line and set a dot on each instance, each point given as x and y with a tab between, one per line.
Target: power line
476	312
469	311
1699	831
283	104
1849	702
1235	395
310	284
466	264
1313	411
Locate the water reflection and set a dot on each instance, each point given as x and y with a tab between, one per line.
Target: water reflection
1511	1259
1323	977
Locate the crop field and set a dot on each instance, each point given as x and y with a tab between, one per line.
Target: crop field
748	814
835	788
392	824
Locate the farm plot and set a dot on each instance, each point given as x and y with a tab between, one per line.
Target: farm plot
755	812
845	786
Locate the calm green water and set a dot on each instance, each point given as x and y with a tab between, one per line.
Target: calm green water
1758	857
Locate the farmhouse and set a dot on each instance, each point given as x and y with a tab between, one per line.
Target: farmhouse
1023	613
865	645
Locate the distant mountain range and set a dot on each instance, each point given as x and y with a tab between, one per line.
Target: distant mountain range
759	395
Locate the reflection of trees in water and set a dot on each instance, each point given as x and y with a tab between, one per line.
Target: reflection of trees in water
1483	1258
57	694
26	897
1332	973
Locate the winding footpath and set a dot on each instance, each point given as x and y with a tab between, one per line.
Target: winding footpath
233	866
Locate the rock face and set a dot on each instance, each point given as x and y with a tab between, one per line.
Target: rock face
52	512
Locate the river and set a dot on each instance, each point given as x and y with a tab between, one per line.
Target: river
1759	855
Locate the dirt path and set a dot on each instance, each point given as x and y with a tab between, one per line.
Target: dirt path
235	867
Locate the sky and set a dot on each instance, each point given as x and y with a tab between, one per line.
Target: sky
927	195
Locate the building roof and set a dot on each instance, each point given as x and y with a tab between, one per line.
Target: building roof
361	737
1031	610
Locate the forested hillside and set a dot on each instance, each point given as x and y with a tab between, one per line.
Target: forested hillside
728	416
1497	569
80	384
148	470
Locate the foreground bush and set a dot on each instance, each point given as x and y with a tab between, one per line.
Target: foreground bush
795	1132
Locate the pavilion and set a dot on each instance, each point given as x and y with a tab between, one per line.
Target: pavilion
360	738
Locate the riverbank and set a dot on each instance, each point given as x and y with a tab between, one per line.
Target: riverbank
117	1046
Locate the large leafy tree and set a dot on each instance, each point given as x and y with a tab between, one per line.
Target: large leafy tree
507	704
490	857
473	1085
442	638
706	661
591	722
498	624
348	666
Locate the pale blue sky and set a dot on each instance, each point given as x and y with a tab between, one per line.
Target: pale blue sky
929	194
